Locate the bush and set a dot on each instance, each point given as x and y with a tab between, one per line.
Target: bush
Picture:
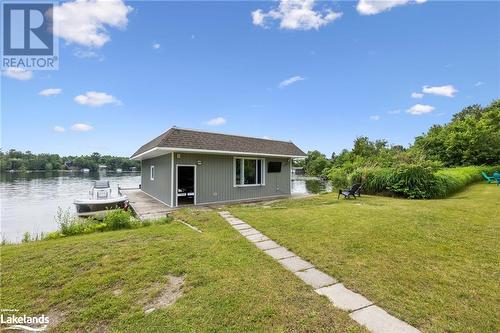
117	219
338	177
70	225
416	181
26	237
374	180
455	179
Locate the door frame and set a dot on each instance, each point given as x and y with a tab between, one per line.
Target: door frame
177	181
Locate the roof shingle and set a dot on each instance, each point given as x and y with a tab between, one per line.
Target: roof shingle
178	138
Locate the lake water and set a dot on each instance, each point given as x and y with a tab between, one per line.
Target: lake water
29	201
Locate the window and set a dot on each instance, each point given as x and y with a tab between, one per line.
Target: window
152	173
248	171
274	167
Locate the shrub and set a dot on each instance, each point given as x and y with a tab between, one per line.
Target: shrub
374	180
338	177
64	220
421	181
26	237
455	179
414	182
52	235
79	226
117	219
70	225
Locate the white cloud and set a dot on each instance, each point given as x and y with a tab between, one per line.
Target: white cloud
85	54
372	7
448	90
479	83
295	15
397	111
59	129
79	127
156	46
417	95
375	117
94	98
50	92
85	22
216	121
18	73
290	81
419	109
258	17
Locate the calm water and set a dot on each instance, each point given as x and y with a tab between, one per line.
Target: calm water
309	185
30	201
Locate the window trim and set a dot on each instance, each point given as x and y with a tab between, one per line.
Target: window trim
152	172
242	171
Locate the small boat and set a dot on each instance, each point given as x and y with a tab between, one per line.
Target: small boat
119	170
85	170
100	201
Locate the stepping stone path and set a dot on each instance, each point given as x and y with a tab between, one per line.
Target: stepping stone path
360	309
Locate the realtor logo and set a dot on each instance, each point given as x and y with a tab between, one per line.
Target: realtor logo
28	39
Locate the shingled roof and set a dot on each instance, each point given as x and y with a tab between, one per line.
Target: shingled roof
179	139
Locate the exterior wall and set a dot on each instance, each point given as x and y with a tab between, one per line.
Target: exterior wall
214	179
160	187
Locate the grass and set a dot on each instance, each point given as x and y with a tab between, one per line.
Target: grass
101	281
432	263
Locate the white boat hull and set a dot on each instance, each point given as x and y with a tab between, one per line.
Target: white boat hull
100	207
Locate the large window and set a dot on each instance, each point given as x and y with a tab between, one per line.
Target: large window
248	171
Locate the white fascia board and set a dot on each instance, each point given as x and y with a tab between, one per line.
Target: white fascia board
157	151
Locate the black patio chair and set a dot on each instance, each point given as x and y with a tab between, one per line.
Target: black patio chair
353	191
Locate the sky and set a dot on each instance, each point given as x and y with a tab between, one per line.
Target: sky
317	73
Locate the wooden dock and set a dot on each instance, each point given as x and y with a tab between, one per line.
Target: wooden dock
144	206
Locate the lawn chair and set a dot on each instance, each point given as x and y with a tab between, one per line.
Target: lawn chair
496	175
353	191
488	178
358	192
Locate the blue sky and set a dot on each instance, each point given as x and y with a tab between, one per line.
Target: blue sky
319	79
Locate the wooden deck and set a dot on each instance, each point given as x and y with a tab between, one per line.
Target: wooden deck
144	206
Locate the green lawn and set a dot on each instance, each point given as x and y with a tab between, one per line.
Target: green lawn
432	263
100	282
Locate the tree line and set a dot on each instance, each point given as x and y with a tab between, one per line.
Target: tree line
23	161
472	137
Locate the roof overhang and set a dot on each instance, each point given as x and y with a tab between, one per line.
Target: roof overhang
158	151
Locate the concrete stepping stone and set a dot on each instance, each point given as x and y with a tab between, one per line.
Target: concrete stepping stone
315	278
377	320
256	238
248	232
295	264
280	253
344	298
267	245
234	221
241	226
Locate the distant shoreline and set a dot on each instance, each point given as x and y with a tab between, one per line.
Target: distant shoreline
69	171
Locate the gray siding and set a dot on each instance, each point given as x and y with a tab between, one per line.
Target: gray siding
160	187
214	179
